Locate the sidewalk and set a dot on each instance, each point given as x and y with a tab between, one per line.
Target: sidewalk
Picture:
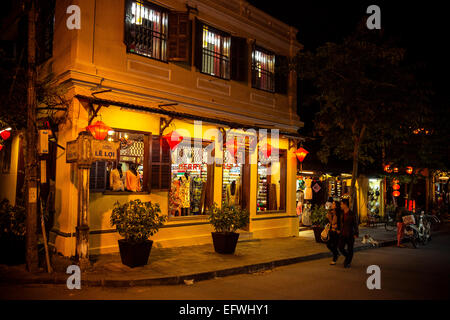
169	266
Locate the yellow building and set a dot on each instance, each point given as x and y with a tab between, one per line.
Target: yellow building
198	68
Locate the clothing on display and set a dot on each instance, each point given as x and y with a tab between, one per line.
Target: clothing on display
115	181
308	190
233	193
185	195
306	215
174	198
133	181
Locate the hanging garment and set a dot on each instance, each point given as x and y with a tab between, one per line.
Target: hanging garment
196	195
306	215
308	190
233	198
133	182
174	198
115	181
185	192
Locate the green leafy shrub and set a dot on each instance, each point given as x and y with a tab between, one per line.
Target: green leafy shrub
319	216
12	220
229	218
136	220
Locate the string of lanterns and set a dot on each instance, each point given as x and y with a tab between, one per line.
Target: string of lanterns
5	134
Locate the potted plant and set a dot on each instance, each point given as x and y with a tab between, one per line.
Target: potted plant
318	221
226	220
12	233
136	221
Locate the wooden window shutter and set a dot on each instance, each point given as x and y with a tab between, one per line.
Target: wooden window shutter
160	166
239	59
283	176
281	74
179	36
198	58
97	176
127	39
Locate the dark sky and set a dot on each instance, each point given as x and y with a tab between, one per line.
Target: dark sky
422	28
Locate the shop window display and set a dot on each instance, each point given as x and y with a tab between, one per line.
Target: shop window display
127	173
191	182
373	201
272	183
232	180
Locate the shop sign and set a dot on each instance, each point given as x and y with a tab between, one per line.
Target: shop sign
190	166
72	151
100	150
104	150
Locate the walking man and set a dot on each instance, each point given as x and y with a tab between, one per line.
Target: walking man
349	225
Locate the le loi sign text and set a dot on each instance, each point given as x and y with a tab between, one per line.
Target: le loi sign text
104	150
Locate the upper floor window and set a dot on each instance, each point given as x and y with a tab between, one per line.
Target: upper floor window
146	29
263	69
213	51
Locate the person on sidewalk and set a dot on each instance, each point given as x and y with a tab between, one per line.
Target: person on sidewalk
334	217
399	213
349	231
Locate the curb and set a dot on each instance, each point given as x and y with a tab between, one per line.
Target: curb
176	280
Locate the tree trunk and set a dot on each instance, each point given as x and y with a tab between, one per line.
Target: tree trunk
31	156
357	144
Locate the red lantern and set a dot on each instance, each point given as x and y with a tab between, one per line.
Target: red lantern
387	168
395	170
173	139
1	147
266	149
99	130
396	193
232	146
301	154
409	170
396	187
5	134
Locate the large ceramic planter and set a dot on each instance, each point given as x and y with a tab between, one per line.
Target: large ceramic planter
317	232
135	254
225	242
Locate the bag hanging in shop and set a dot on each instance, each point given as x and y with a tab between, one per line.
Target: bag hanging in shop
409	219
325	235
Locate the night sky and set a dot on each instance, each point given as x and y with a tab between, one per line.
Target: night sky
419	27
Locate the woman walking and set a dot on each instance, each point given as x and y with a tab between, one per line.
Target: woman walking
334	218
400	226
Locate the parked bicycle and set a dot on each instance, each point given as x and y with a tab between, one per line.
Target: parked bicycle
389	221
424	222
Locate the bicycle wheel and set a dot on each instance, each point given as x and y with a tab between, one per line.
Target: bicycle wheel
414	238
390	225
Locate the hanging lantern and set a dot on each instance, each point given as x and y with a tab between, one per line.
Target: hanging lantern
1	147
396	187
301	154
266	149
387	168
99	130
409	170
395	170
232	146
173	139
396	193
5	134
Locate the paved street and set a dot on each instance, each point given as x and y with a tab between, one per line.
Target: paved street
406	273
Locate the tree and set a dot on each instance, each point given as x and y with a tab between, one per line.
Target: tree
22	94
367	96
